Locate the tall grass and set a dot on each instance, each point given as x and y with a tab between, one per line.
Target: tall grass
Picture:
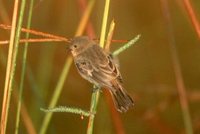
95	95
25	50
11	63
177	70
146	117
65	70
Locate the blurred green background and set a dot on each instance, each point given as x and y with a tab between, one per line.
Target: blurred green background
147	67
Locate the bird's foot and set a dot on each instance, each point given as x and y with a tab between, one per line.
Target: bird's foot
95	88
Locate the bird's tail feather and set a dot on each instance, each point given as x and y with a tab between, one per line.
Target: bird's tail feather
121	99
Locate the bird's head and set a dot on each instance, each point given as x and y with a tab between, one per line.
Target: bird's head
79	44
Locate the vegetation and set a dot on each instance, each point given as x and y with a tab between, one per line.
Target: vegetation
38	78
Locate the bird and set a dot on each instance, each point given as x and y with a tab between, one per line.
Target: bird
99	67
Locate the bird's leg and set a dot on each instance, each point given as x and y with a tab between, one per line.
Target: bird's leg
95	88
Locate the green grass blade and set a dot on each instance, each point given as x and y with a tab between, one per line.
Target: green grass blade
23	69
127	45
15	36
66	68
95	95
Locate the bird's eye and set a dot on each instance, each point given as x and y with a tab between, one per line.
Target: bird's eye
75	46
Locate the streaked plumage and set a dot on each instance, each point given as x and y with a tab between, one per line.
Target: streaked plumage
98	67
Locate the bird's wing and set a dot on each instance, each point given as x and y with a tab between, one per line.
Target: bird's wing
99	67
109	68
92	73
105	64
84	66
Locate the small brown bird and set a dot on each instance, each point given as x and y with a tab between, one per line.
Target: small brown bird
97	66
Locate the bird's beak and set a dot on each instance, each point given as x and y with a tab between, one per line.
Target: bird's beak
69	44
68	48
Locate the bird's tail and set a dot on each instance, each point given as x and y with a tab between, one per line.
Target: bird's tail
121	99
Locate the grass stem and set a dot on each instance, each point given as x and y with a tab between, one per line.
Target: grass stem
67	110
177	69
11	63
127	45
23	69
65	70
95	95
